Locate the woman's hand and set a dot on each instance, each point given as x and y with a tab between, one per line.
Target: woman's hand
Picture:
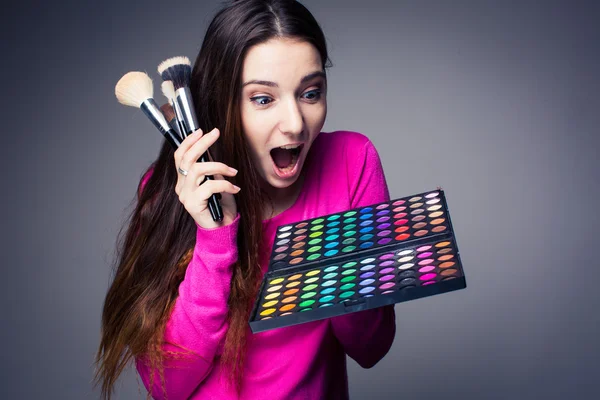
193	190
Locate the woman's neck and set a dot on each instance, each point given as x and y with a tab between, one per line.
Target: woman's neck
281	199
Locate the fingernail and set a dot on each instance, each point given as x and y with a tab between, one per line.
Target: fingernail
237	188
233	170
214	132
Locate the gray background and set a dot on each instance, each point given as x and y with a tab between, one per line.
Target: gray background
497	102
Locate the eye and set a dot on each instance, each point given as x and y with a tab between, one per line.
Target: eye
312	95
261	100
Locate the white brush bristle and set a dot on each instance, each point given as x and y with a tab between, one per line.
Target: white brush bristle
134	88
173	61
168	89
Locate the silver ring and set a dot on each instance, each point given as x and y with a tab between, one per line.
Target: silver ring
182	171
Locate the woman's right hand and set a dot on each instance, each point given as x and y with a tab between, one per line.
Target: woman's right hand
193	191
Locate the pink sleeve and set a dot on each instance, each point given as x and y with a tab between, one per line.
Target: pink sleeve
197	324
367	335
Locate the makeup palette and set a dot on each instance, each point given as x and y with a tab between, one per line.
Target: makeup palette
359	259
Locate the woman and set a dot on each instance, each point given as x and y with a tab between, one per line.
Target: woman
184	287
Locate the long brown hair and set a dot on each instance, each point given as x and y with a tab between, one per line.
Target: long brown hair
155	244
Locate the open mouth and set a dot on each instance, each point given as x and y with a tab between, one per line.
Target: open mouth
285	159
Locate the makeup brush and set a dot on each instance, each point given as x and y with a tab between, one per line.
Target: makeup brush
167	110
135	89
178	70
169	93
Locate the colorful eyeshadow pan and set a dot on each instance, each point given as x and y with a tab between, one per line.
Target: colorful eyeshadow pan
359	259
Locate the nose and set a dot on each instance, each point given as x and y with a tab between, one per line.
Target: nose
292	120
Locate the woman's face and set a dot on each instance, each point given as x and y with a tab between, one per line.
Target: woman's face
283	106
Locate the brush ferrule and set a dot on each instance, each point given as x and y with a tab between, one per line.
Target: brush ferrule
183	97
150	108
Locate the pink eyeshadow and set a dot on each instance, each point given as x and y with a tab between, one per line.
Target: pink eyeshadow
427	277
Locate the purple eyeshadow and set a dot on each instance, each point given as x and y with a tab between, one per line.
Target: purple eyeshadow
367	267
386	270
387	285
366	282
366	290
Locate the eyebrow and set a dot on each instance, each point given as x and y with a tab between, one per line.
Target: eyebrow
273	84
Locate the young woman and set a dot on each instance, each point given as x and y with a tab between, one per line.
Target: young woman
185	285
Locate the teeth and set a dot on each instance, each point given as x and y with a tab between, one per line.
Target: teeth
290	146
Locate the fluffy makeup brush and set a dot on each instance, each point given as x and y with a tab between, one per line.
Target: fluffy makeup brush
167	110
178	71
169	93
135	89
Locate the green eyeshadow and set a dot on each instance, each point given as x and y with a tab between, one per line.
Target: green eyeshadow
307	303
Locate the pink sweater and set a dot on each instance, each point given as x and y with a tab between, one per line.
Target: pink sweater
306	361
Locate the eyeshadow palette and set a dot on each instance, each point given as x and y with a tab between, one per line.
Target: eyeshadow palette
359	259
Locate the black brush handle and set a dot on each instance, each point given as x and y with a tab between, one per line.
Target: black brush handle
173	138
213	202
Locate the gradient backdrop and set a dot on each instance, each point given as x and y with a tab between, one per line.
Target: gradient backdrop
497	102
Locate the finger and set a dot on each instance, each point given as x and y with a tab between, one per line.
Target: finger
209	188
185	146
198	172
198	148
197	200
200	169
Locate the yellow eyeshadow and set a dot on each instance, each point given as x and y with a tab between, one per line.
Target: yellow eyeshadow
312	273
270	303
276	281
272	296
267	312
